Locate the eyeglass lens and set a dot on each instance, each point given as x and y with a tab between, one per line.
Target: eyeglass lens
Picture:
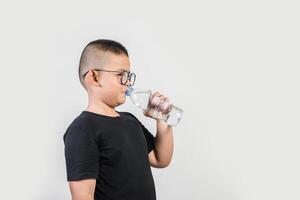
126	76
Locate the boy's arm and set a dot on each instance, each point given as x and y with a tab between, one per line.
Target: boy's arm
161	155
83	189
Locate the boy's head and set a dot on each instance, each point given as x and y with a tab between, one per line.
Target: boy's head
104	72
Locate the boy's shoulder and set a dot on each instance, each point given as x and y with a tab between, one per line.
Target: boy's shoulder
81	121
87	120
130	116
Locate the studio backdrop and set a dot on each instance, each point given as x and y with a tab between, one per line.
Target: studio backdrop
232	66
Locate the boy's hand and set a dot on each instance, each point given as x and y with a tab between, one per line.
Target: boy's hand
158	103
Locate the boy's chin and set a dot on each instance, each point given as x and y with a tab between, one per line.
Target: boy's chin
121	101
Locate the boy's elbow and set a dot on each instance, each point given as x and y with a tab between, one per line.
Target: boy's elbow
161	165
158	163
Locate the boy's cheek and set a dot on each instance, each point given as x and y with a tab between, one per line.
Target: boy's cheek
122	97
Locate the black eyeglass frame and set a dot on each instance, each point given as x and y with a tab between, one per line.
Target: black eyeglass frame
129	75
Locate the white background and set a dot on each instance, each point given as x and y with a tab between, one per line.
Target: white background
232	66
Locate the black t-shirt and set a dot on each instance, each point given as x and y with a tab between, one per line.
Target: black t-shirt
112	150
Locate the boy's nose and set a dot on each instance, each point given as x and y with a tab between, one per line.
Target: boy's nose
127	83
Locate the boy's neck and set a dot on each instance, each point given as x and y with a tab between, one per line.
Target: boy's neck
101	108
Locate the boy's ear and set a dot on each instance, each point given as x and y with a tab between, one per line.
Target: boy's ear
94	75
93	78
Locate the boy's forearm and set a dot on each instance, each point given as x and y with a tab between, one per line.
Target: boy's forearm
164	144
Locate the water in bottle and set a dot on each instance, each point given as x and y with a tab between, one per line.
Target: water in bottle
154	106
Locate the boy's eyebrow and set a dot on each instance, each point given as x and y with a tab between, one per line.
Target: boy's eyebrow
123	70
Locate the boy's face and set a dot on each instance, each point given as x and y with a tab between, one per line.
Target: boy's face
112	92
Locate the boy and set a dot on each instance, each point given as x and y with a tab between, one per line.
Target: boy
109	153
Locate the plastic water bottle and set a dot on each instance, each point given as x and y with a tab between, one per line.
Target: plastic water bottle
155	106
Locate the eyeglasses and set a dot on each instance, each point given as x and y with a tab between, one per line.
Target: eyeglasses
124	76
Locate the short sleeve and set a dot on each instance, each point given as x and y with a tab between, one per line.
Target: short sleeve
149	138
81	154
148	135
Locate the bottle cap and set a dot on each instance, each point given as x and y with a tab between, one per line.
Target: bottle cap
128	91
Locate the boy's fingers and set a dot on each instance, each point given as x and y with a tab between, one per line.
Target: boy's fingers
153	95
